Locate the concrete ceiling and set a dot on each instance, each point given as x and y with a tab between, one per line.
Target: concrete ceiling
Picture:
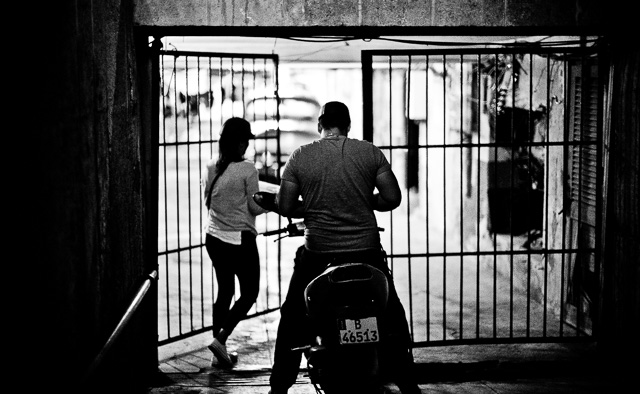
324	50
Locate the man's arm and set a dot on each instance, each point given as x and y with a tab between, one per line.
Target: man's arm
389	195
252	186
206	179
287	200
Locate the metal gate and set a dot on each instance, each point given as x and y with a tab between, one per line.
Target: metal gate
199	91
499	152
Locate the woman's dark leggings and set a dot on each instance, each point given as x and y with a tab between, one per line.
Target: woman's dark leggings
230	261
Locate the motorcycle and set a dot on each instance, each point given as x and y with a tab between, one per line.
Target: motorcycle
345	305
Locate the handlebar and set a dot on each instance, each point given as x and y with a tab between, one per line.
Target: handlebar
293	229
268	201
274	232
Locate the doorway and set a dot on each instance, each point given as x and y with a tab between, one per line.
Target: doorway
482	248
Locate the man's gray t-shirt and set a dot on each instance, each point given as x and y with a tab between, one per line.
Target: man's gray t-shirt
336	177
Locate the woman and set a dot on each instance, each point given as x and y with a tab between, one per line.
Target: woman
229	184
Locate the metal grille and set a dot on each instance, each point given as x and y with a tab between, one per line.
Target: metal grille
482	249
199	91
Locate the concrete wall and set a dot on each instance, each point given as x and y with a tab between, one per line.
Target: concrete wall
422	13
89	223
87	168
620	297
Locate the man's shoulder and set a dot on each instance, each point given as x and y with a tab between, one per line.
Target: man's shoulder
310	147
311	150
362	142
362	146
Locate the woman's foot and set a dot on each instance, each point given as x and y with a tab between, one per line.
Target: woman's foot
220	351
232	355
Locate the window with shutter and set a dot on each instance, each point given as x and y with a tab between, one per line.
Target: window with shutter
582	192
584	138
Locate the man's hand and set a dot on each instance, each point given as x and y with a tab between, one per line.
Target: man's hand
266	200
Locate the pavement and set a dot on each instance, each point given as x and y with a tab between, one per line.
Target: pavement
187	366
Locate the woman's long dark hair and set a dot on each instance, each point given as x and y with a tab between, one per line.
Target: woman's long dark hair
234	132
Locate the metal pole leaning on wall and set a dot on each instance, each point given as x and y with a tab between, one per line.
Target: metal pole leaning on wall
144	288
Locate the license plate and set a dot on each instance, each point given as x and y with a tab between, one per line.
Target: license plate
353	331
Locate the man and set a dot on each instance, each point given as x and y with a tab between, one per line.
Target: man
336	177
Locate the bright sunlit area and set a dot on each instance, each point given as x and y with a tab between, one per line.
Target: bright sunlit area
455	116
324	68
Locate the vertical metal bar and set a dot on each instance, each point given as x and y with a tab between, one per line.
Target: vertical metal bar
278	145
166	212
211	97
367	96
200	204
426	167
264	116
233	85
253	87
461	194
189	192
242	87
156	99
407	127
198	104
210	94
188	95
391	153
495	181
546	196
530	140
253	142
222	94
444	191
188	148
277	93
264	143
178	211
511	202
565	200
233	109
253	118
220	123
479	130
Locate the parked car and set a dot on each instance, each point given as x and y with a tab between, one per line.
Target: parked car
297	126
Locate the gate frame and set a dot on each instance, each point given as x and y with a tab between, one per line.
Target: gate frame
157	85
583	51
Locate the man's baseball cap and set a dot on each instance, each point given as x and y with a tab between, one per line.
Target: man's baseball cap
334	113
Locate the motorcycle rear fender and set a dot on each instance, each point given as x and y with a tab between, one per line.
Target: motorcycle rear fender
357	290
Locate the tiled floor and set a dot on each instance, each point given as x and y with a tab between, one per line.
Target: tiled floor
186	367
